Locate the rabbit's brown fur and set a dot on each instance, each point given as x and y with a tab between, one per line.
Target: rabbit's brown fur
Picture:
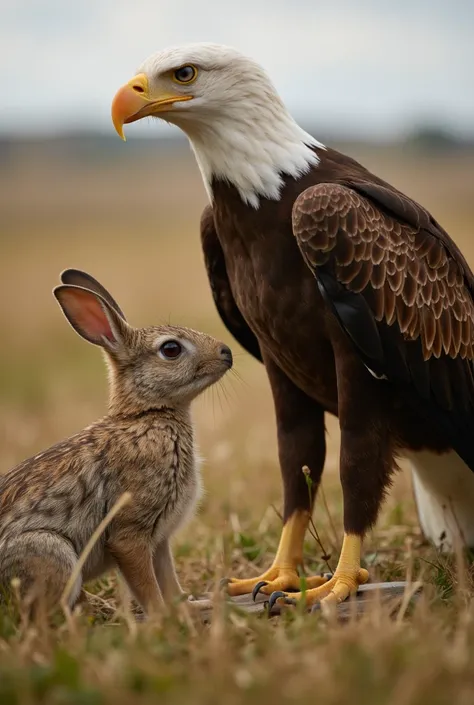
51	504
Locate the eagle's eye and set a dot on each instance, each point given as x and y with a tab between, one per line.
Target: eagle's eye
185	74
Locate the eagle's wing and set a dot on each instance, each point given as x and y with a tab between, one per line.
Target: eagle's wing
220	287
401	291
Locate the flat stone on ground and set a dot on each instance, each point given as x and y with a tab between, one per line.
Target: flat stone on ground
391	593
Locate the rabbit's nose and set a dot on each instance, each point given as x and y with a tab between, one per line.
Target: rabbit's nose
226	354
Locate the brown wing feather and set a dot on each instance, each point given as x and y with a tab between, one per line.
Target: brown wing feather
368	248
401	293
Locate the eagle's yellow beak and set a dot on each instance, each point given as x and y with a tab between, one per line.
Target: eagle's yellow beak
133	102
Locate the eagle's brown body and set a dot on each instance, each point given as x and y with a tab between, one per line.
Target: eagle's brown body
357	302
270	300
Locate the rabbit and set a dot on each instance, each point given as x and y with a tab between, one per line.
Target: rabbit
51	503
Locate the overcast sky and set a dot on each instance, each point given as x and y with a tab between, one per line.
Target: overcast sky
368	66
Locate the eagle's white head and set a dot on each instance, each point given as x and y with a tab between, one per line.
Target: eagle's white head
237	124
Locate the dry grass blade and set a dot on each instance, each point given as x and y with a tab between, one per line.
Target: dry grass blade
119	504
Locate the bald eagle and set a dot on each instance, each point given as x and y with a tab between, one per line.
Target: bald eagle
355	299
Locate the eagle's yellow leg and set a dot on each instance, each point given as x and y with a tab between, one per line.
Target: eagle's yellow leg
345	581
283	573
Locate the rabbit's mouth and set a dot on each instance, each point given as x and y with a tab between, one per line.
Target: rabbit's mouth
207	378
215	369
210	374
200	383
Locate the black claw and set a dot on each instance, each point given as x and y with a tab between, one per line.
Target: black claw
223	583
257	588
276	595
328	576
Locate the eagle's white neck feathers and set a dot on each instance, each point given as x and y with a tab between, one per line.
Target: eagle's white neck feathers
253	155
238	126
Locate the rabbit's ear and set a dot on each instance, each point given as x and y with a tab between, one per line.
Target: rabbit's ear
92	317
75	277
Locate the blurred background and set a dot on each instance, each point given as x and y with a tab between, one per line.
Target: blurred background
388	83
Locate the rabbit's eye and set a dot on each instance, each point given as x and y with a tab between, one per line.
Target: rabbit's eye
171	350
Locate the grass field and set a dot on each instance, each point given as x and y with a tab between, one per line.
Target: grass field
131	220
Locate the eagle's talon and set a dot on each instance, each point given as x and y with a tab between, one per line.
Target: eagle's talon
275	579
344	583
273	598
277	595
283	574
257	588
224	582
